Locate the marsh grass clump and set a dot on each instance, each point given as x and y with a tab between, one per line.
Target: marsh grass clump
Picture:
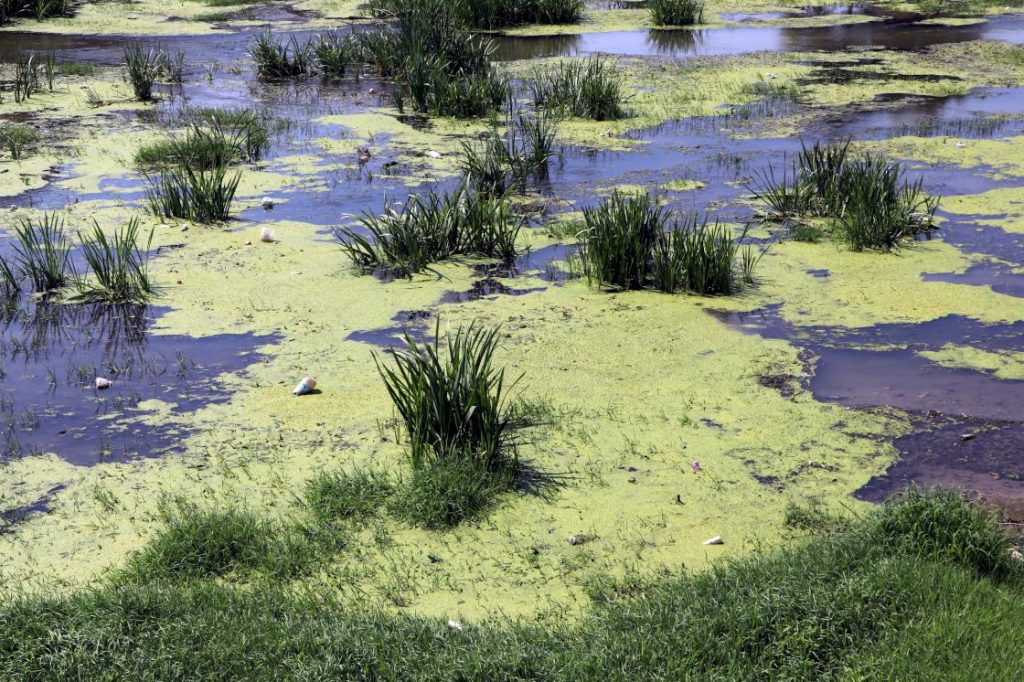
454	407
584	88
676	12
196	195
275	60
430	228
701	258
869	203
493	14
338	55
629	242
210	146
143	69
42	252
506	161
119	266
336	496
620	236
19	140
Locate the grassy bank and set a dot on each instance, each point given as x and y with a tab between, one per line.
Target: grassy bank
923	589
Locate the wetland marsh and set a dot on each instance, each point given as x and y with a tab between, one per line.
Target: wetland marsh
581	290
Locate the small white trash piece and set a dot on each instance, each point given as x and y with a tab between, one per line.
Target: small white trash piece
434	155
454	625
717	540
578	539
103	384
305	386
267	235
267	203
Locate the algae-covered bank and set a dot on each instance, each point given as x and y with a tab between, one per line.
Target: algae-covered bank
544	339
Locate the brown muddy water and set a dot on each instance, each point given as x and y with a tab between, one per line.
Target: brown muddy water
51	355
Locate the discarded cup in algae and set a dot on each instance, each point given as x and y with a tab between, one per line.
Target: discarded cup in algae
305	386
267	235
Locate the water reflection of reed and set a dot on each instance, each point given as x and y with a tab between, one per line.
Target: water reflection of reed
676	41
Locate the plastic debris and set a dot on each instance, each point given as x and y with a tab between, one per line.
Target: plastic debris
434	155
717	540
103	384
454	625
305	386
632	479
696	467
578	539
966	436
1016	555
267	203
364	155
267	235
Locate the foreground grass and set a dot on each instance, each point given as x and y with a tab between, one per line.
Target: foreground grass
926	589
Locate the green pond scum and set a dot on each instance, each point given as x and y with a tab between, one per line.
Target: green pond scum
576	378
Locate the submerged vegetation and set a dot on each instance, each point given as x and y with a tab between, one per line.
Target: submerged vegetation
923	588
457	424
629	243
433	227
866	199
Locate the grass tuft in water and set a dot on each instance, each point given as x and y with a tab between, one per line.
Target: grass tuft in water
42	252
584	88
431	228
457	421
195	195
631	243
19	140
276	60
506	161
869	203
676	12
119	265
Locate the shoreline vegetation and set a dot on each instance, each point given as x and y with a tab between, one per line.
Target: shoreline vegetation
921	588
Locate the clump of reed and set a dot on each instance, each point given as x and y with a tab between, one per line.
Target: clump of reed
676	12
279	60
631	243
119	266
491	14
225	140
18	139
506	161
868	201
338	55
584	88
457	420
42	253
201	196
430	228
145	68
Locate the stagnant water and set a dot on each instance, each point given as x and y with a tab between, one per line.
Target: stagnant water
53	354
